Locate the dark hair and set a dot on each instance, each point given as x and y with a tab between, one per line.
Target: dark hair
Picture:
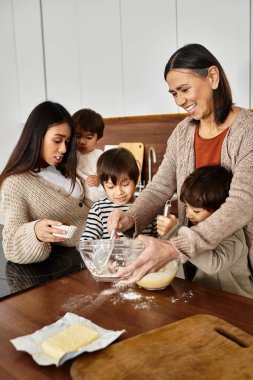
198	59
27	152
207	187
89	120
115	163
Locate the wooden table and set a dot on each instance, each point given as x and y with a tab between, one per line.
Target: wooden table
133	309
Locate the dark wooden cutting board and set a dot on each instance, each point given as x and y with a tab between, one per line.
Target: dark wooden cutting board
198	347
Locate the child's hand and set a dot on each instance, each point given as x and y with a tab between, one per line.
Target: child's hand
165	224
92	180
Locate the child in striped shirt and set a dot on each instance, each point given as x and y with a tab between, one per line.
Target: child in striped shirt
118	172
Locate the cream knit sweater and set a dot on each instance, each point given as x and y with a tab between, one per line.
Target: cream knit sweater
178	162
28	198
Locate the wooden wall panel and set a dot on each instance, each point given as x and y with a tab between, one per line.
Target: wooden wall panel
152	130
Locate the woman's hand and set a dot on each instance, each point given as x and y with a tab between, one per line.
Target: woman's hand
44	231
165	224
92	180
119	221
156	254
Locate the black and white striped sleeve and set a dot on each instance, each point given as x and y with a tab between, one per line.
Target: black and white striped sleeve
94	225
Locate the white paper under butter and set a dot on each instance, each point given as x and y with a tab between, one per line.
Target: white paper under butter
33	343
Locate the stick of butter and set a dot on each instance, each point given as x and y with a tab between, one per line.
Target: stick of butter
68	340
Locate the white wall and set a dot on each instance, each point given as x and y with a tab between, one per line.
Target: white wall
100	56
109	55
148	39
251	58
61	52
10	109
224	29
29	54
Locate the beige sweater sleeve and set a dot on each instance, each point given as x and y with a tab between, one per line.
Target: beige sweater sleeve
19	240
26	199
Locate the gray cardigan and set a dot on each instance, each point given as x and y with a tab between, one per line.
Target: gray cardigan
178	163
225	267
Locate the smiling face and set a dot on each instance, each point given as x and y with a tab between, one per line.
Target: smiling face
192	93
122	193
196	214
55	143
86	141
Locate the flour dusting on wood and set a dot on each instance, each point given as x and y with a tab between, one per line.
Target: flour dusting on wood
119	295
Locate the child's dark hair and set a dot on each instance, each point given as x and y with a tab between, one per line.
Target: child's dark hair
115	163
89	120
207	187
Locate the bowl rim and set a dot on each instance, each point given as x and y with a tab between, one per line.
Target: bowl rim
117	242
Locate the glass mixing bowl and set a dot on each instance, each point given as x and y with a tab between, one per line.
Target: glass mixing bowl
104	258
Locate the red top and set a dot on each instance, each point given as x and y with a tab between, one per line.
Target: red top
208	151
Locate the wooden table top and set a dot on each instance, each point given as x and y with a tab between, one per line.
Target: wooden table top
133	309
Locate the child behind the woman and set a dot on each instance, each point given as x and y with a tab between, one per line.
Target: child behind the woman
89	129
226	266
118	173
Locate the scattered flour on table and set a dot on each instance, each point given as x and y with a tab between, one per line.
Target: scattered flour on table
137	299
120	295
117	294
183	297
77	302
